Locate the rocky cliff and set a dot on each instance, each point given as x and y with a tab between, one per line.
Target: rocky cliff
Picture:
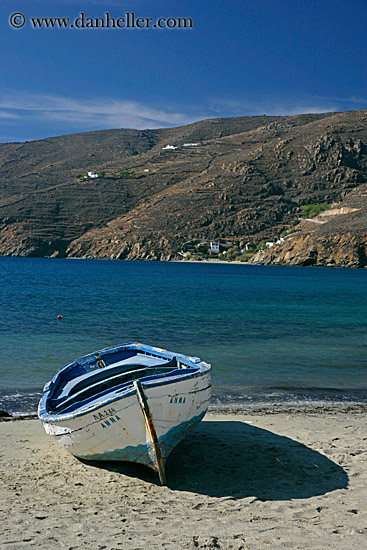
243	178
337	237
342	250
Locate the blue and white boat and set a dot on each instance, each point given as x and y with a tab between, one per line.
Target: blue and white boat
131	402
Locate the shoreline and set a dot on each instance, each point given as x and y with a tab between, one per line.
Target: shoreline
237	482
24	402
306	409
213	261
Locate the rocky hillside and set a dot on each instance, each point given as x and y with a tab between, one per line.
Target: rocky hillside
337	237
243	178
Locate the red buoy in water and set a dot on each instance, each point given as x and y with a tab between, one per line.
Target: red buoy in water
59	317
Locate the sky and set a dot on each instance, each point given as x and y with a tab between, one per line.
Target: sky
234	58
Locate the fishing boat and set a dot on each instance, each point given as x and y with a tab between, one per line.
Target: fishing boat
131	402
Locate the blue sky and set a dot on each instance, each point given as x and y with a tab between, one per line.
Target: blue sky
241	57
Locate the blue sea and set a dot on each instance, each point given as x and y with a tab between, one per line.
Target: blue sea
275	336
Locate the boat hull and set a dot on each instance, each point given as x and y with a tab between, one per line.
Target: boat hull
117	431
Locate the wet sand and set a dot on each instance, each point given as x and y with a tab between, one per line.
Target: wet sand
240	481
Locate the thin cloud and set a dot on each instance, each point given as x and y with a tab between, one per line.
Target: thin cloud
45	114
89	113
353	100
8	115
285	107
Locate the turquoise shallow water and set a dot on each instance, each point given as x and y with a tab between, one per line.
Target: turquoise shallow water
274	335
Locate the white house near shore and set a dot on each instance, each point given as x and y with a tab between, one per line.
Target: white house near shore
214	247
278	241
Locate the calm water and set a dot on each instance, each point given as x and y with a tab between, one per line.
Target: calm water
274	335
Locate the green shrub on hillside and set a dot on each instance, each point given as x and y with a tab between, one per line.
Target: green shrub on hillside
127	174
261	245
232	253
311	210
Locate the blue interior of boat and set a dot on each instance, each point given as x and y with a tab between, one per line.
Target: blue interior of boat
133	362
79	387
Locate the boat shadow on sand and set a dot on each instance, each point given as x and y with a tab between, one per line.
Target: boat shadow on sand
235	459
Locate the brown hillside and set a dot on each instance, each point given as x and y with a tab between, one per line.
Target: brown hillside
246	178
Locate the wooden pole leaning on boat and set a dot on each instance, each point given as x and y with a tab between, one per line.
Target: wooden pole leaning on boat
148	418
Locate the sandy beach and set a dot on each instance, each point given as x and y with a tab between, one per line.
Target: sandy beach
241	481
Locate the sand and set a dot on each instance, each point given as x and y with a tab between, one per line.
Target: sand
240	481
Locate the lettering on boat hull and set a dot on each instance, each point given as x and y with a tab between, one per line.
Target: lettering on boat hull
111	420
